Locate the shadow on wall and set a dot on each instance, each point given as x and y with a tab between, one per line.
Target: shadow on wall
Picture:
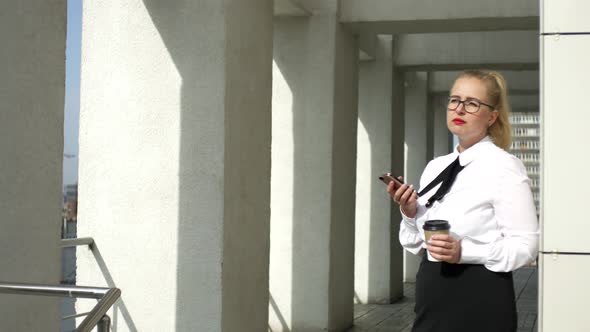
416	98
357	299
290	58
277	312
322	172
223	225
371	124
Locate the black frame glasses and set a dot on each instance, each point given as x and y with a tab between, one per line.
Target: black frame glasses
468	104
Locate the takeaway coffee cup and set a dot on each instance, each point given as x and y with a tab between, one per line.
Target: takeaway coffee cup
432	227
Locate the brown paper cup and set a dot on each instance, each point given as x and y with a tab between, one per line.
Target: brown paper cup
432	227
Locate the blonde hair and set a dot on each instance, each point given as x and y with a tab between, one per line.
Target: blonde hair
500	131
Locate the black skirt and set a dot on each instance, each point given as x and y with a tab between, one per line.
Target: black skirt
463	297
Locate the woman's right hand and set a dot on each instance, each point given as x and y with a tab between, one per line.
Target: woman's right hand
405	196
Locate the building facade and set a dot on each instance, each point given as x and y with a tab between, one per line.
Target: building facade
526	145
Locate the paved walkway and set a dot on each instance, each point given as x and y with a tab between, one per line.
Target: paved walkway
398	317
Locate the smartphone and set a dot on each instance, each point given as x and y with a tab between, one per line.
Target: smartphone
387	177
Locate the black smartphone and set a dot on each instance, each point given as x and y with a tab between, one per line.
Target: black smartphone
387	178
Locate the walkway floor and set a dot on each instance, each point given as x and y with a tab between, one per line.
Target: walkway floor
398	317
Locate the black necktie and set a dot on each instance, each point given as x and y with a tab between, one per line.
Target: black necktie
447	177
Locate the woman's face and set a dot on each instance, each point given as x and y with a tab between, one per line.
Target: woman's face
470	126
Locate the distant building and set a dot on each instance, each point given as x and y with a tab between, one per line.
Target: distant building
526	146
68	231
70	211
71	192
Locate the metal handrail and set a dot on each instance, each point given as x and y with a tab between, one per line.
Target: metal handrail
96	317
80	241
98	313
51	290
106	298
75	315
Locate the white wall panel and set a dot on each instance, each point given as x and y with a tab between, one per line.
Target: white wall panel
565	153
565	16
564	285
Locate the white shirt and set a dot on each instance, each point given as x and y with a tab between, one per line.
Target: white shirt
490	208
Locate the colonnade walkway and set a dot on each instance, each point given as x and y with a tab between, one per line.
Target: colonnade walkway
398	317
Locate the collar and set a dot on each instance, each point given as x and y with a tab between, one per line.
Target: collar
473	152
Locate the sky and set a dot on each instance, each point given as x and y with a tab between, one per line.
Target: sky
72	97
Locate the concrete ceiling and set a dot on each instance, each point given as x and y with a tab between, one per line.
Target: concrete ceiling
520	82
304	7
425	16
422	25
289	8
505	50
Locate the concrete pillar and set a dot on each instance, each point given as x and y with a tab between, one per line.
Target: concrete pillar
441	137
31	122
378	265
429	121
416	105
398	162
313	174
175	161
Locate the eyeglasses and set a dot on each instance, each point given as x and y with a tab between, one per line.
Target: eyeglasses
469	105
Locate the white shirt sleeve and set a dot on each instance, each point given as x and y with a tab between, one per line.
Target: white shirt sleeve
409	234
515	215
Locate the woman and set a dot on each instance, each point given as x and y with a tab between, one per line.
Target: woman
489	205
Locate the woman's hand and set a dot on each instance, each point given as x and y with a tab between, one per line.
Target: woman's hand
445	248
405	196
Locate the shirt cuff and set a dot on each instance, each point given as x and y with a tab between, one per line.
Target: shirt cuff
410	223
474	253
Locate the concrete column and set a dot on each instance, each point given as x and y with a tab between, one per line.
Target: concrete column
33	35
378	266
441	137
398	161
175	161
416	105
313	175
429	121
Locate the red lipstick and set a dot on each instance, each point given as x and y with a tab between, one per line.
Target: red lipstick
458	121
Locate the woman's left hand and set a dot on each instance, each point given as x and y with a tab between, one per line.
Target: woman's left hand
445	248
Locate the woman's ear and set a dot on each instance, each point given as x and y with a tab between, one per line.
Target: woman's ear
493	117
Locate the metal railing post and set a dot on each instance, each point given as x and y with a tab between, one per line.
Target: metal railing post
106	297
104	324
